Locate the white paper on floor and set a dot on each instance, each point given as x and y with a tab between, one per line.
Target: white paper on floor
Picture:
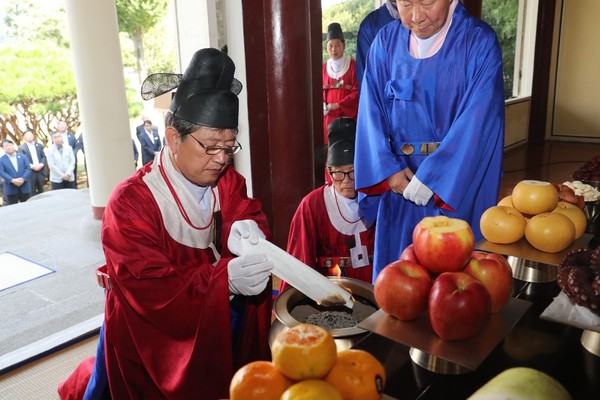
15	270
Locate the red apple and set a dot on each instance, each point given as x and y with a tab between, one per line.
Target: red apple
409	254
459	306
443	244
495	273
402	289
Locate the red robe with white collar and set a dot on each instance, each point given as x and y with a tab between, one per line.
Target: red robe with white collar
343	91
167	322
312	235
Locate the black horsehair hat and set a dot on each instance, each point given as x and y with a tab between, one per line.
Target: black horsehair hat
334	31
340	150
206	92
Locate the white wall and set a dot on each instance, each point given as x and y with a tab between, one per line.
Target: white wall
574	109
214	23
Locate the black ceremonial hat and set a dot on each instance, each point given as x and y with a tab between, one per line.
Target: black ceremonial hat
341	137
340	150
206	92
334	31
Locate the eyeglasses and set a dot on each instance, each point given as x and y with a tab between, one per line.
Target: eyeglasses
341	175
214	150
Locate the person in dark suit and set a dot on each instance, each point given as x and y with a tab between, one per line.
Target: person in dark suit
15	170
150	142
136	153
80	147
140	128
34	152
71	140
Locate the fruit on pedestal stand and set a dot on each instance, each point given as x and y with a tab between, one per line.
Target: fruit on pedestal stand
493	270
409	254
567	194
258	380
502	224
304	351
575	214
402	289
550	232
506	201
534	197
521	383
358	375
459	306
443	244
311	389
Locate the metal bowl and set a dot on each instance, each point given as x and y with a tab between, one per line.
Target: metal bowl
292	308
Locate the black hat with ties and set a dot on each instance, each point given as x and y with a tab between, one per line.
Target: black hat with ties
206	92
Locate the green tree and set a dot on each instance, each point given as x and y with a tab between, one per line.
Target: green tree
502	15
136	18
159	48
22	23
349	14
38	90
37	46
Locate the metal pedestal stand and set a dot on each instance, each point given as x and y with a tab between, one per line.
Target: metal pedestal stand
436	364
532	271
590	340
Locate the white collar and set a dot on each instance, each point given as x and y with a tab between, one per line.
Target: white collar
343	213
199	211
337	68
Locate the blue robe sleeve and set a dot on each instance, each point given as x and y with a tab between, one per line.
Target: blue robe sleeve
367	31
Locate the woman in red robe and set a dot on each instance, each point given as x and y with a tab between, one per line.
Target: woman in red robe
340	85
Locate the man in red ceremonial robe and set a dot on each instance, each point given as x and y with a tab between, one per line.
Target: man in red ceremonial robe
340	84
182	312
327	230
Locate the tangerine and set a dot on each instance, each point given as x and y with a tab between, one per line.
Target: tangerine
258	380
357	375
304	351
312	389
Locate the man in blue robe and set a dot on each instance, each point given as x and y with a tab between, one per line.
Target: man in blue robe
430	123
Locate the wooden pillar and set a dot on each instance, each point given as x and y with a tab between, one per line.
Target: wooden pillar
473	7
284	91
541	71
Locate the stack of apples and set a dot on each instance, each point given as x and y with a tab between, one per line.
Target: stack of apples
440	273
549	216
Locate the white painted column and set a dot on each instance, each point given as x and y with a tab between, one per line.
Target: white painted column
196	27
101	94
234	37
202	23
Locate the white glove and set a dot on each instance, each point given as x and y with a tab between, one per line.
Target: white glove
245	229
417	192
249	274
